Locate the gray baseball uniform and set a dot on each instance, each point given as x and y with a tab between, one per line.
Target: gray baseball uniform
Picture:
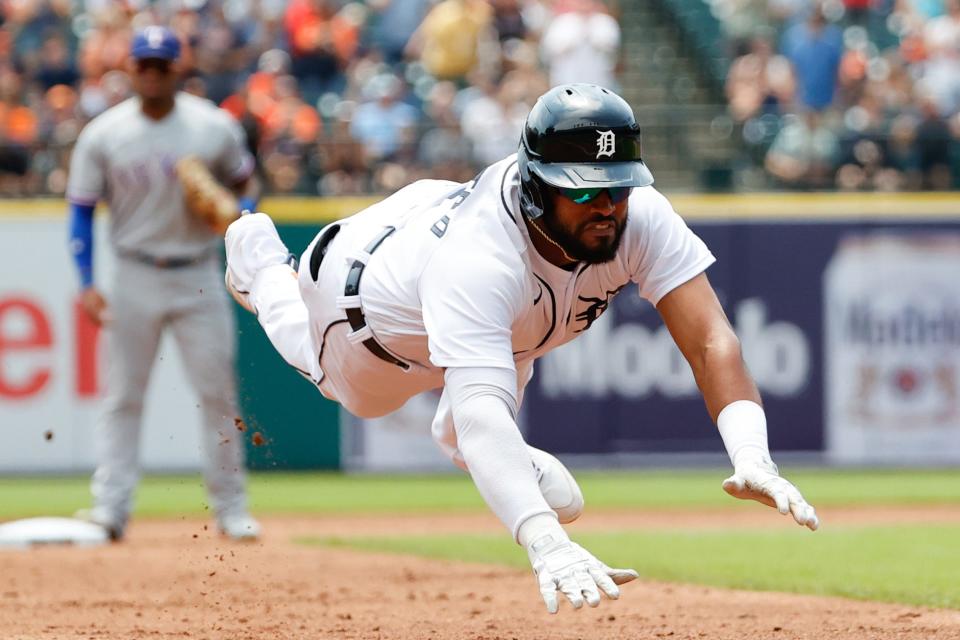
168	277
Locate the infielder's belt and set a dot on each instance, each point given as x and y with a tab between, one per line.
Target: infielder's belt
355	313
168	262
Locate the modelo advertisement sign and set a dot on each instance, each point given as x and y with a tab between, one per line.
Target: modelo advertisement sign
850	330
893	349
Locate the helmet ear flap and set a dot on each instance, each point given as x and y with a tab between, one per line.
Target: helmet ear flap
533	196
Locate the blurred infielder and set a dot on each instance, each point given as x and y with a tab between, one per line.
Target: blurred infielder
168	273
464	286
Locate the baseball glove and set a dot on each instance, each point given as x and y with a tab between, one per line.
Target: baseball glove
205	198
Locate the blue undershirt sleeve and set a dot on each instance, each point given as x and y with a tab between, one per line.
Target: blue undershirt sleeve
247	204
81	241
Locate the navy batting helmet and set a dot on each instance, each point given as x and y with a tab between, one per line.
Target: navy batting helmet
155	42
578	136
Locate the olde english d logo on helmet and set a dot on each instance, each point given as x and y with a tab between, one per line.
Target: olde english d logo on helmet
605	143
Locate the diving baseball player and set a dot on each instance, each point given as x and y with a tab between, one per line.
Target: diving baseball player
167	274
464	286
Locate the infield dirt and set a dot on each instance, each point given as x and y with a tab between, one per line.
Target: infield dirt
179	579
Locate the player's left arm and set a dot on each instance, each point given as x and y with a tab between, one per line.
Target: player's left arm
471	300
699	326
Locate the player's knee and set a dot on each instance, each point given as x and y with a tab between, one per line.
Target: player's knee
557	485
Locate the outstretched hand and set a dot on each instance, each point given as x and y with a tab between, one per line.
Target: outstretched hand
759	479
562	565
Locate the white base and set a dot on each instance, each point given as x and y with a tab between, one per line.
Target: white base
20	534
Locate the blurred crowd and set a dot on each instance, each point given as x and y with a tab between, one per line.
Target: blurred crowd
336	97
345	97
847	94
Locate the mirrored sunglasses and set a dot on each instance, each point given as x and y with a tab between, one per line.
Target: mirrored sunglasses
583	196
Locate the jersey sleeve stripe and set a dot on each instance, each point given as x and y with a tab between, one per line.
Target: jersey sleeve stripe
503	192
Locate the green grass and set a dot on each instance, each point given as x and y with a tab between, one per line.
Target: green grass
338	493
907	564
827	487
912	564
269	493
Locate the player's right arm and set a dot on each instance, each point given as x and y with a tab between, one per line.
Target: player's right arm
92	302
470	302
84	188
670	269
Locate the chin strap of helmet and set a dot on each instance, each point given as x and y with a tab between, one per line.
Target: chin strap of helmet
535	203
546	236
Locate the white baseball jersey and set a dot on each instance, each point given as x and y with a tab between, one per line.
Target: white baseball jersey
458	293
128	159
459	284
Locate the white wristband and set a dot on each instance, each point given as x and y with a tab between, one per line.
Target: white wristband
743	426
537	526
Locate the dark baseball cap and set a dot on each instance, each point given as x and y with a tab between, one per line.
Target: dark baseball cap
155	42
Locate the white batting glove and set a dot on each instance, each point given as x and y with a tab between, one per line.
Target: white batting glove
756	477
743	427
562	565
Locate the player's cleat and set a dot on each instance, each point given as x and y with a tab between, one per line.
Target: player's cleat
242	298
112	524
240	526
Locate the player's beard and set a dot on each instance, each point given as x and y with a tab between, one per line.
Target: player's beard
573	246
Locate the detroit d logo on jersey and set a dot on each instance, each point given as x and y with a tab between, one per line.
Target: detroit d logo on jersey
605	143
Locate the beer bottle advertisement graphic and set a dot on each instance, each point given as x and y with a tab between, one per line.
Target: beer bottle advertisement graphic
892	349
